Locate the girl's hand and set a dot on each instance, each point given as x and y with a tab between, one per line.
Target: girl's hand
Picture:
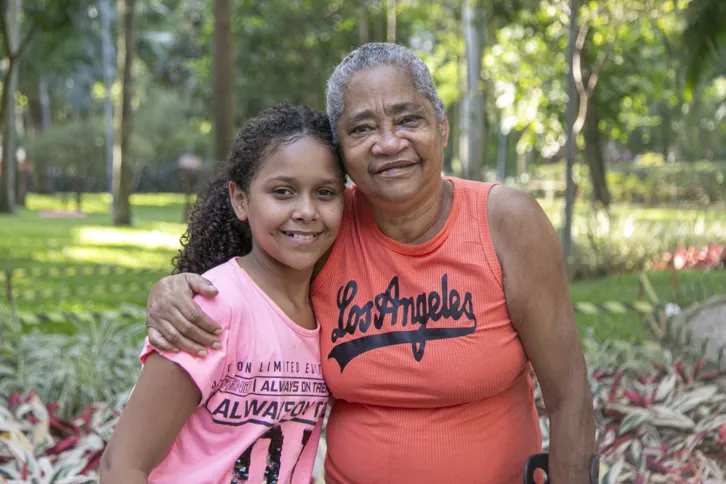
173	319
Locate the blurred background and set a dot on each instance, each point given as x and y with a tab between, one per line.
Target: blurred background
114	111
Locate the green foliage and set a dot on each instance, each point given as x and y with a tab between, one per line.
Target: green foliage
704	38
96	363
606	245
161	132
649	181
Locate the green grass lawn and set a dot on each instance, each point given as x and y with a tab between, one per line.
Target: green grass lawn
29	241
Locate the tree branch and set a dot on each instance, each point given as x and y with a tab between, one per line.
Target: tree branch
4	28
26	40
577	77
592	81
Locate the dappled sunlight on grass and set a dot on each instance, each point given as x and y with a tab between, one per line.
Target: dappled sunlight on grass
158	199
91	203
100	202
146	249
124	257
112	236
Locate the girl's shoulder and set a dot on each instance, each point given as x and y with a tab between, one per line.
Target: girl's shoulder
232	300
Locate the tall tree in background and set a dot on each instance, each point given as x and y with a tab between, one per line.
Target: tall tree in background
705	38
391	21
122	173
10	26
224	81
471	137
571	142
21	22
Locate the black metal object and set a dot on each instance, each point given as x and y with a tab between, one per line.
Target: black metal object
541	461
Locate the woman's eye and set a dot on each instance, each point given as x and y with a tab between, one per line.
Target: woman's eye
409	119
282	191
360	129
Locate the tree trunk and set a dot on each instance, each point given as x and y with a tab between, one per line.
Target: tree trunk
378	19
363	23
121	157
223	64
44	100
570	143
107	54
80	183
502	155
391	21
665	128
10	84
594	156
471	138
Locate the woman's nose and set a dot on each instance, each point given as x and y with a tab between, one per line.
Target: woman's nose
388	143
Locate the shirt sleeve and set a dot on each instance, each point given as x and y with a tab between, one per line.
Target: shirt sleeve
206	372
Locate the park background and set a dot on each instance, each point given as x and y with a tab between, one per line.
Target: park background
114	111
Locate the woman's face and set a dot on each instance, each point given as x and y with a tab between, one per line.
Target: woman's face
392	143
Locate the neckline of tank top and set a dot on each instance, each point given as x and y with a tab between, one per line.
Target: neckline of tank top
288	321
426	247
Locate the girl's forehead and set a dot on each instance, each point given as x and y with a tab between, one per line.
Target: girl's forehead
305	154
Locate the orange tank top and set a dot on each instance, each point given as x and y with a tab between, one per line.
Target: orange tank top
430	379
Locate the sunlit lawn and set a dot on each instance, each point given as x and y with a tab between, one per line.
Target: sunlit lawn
29	241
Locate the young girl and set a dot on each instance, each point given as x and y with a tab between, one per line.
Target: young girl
252	410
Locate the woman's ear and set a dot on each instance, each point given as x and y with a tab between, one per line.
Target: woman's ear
239	201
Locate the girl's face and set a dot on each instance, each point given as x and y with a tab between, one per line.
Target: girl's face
294	204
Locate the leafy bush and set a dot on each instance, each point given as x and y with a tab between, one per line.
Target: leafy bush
96	363
605	244
659	419
647	181
41	447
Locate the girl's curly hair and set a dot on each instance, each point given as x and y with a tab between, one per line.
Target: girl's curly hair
215	234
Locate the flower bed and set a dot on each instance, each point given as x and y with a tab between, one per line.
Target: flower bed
658	421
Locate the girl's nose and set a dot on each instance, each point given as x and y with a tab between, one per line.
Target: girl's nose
305	210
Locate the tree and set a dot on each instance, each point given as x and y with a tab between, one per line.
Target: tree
472	132
18	31
570	142
223	61
11	32
704	37
122	163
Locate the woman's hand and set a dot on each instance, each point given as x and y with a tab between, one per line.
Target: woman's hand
173	319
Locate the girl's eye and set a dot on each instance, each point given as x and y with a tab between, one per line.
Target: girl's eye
326	193
282	191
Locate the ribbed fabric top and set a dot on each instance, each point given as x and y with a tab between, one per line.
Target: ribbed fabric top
431	382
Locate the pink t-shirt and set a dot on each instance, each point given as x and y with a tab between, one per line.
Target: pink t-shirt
263	394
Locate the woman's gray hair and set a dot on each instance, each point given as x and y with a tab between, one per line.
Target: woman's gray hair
372	55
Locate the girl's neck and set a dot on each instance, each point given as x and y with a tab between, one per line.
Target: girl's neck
420	222
277	280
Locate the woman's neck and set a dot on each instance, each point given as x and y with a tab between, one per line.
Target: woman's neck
420	222
277	280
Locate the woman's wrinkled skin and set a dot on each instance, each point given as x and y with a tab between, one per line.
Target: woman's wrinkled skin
393	145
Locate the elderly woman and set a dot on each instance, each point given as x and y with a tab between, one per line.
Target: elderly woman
435	299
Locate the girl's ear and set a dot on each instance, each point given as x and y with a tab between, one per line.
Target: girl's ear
239	201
